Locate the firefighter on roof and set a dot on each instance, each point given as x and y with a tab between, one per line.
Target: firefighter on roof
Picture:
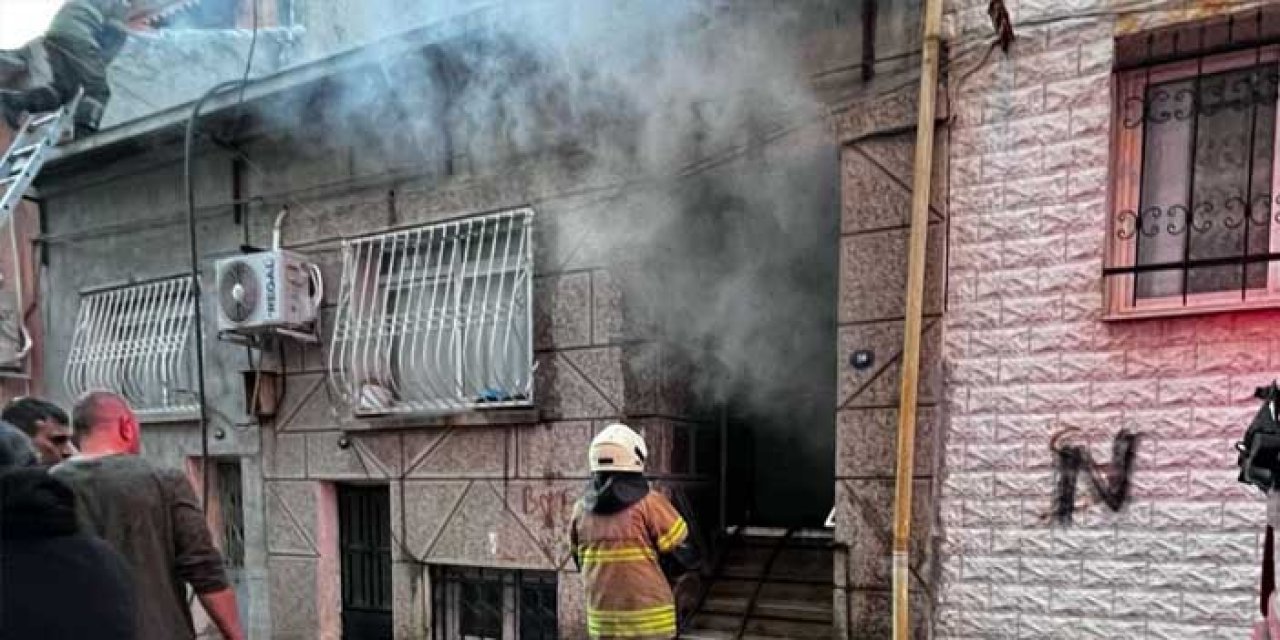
627	541
82	40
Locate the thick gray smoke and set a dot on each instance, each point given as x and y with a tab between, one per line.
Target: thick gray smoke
700	115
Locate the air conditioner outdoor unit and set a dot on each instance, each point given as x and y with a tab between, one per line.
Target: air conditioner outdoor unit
268	291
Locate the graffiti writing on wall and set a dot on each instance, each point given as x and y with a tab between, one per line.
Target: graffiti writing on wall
1107	481
550	505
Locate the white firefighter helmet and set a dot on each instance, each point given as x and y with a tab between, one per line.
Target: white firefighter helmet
618	448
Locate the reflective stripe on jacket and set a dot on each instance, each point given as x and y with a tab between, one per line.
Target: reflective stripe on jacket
627	593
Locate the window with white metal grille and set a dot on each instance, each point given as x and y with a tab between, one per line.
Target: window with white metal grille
437	319
135	340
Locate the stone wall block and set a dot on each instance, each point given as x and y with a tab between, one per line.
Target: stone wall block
433	502
481	531
608	314
554	449
366	457
867	440
467	452
293	598
871	200
864	521
310	407
284	455
291	518
566	393
562	311
873	274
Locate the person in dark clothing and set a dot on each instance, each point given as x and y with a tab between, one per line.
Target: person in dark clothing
46	562
45	423
16	450
152	517
84	37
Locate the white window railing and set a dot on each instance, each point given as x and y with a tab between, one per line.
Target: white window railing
437	319
136	341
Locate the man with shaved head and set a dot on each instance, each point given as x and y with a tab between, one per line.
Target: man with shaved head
152	517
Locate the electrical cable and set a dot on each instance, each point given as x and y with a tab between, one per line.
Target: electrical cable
248	62
197	311
196	298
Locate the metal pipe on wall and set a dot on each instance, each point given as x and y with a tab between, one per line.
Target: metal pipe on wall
918	243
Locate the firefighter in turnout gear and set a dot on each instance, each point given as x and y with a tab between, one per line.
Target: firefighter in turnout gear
628	541
82	40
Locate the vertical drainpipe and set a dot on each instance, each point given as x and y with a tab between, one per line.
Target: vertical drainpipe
920	192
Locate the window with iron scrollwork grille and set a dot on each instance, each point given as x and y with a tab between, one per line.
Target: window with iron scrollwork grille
437	319
493	604
1194	222
136	341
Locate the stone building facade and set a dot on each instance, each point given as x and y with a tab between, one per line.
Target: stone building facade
356	144
1038	323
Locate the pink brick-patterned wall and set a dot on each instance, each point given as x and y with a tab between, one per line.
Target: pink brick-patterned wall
1025	354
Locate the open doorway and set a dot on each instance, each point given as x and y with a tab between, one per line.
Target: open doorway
780	469
364	546
780	424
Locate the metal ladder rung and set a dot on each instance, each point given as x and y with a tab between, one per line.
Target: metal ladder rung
22	161
26	151
44	119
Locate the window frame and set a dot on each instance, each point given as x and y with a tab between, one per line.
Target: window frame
449	583
1125	193
381	270
137	340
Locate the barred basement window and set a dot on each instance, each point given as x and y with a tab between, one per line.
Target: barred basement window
493	604
136	340
437	319
1194	226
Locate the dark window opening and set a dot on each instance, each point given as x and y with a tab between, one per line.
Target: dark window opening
231	503
494	604
481	615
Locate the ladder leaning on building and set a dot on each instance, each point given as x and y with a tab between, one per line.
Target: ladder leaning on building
21	163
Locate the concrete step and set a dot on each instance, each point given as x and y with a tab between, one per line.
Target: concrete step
711	621
805	591
721	635
789	628
795	602
795	610
804	561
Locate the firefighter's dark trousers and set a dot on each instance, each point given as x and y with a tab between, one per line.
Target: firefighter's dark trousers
75	65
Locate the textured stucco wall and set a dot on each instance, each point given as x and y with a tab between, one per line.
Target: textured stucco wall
514	476
494	493
1026	354
166	68
492	490
876	169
